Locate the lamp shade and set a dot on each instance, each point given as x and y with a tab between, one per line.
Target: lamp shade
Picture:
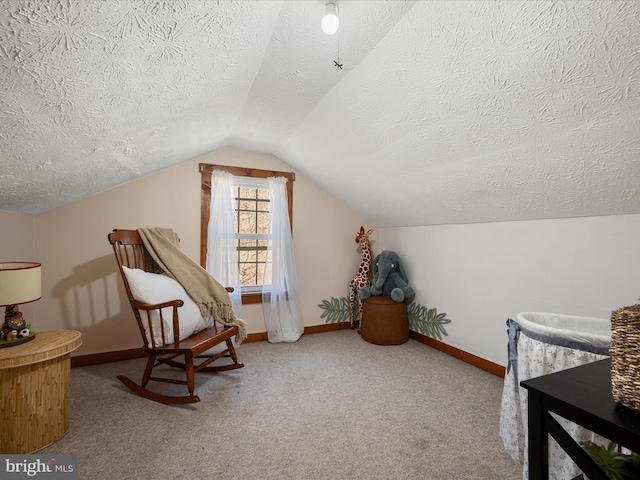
330	21
20	282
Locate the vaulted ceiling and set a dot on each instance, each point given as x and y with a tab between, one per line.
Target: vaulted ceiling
443	111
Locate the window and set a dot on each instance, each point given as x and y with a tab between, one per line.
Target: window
251	222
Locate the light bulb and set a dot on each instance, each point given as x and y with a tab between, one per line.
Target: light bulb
330	21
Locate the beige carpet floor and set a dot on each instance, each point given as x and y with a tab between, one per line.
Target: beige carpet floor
330	406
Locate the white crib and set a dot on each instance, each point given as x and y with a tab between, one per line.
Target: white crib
542	343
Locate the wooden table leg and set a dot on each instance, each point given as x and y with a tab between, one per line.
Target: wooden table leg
538	453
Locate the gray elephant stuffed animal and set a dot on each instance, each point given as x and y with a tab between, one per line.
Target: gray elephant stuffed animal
388	279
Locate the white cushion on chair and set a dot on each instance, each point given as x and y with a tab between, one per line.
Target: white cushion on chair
155	288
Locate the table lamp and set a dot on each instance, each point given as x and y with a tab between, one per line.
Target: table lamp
20	282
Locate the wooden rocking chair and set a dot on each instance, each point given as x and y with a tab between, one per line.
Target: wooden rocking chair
130	252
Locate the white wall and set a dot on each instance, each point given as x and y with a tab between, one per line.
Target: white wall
483	274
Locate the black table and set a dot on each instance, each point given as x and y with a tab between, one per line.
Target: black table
583	396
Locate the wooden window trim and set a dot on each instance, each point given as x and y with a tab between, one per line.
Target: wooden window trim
205	204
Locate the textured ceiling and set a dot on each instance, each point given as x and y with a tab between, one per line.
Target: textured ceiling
444	112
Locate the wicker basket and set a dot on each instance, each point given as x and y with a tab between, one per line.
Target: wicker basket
625	356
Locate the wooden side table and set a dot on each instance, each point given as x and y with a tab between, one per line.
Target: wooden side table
581	395
35	388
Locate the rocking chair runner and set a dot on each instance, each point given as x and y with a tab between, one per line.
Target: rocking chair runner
130	252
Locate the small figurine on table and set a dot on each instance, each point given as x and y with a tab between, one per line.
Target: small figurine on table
13	322
13	319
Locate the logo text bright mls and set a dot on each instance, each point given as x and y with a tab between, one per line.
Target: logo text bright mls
30	468
52	468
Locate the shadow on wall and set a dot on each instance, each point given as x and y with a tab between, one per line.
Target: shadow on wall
93	301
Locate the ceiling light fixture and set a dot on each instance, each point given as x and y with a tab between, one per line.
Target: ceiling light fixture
330	21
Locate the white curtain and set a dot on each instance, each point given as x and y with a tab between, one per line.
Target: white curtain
280	295
222	255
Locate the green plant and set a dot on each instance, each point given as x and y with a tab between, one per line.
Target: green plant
336	310
427	321
616	465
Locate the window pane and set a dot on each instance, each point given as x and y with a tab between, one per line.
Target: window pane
247	222
262	222
249	205
248	274
247	243
243	256
262	206
251	255
260	273
246	192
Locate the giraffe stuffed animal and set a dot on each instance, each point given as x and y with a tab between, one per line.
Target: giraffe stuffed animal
362	278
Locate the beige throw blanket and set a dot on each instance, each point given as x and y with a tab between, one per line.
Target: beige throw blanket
204	290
